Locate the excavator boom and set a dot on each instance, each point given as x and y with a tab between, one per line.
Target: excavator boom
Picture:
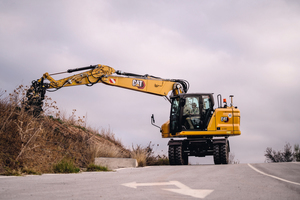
106	75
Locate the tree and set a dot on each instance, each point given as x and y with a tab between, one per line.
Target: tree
286	156
296	153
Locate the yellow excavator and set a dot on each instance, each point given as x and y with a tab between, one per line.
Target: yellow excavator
195	127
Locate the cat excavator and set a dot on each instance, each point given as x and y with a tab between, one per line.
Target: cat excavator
195	127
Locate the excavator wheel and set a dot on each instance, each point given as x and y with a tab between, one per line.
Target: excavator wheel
217	159
176	155
181	158
221	153
224	153
172	155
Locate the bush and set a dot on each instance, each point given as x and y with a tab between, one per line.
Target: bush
65	166
277	156
12	172
140	154
296	153
93	167
30	171
145	156
161	160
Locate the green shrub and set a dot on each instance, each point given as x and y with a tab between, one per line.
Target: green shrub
65	166
93	167
20	172
12	172
162	160
30	171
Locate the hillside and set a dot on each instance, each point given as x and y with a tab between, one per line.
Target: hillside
35	144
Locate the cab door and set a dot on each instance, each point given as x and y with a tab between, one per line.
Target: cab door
175	116
206	110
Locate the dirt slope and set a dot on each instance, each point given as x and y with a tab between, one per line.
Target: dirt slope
38	143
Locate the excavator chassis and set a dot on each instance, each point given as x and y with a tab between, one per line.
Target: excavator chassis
180	150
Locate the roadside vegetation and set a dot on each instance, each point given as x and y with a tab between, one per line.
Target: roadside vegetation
93	167
145	156
56	143
65	166
287	155
232	160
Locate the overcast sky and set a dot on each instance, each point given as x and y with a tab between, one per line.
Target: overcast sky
250	49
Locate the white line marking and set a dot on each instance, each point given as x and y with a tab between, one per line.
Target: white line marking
183	189
281	179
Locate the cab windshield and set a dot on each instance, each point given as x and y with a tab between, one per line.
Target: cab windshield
191	113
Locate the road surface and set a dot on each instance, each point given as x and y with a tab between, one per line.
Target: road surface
241	181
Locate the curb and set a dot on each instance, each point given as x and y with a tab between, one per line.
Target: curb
116	163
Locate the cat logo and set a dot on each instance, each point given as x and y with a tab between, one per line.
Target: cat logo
138	83
224	119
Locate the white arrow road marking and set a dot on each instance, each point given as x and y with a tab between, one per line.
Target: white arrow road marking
183	189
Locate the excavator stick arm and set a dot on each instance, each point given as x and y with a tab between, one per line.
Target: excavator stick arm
89	78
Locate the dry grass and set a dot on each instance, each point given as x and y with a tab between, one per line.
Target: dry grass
145	156
110	146
31	144
140	154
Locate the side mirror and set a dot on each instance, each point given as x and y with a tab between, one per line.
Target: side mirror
153	121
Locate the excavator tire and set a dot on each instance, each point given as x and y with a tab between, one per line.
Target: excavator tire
176	155
224	153
181	159
217	159
172	155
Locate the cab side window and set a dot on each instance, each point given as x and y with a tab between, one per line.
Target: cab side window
206	102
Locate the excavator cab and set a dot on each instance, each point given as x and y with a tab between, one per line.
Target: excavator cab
190	112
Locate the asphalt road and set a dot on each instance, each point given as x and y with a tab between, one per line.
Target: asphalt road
242	181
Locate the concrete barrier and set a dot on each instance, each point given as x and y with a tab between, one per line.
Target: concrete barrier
115	163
